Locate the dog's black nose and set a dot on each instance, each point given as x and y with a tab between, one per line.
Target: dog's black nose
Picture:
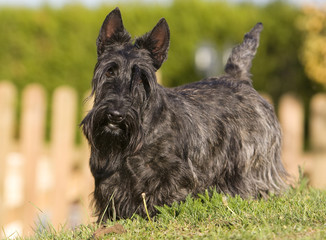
115	116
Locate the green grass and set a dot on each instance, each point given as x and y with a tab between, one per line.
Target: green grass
299	214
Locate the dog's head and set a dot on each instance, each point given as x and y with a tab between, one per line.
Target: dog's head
124	79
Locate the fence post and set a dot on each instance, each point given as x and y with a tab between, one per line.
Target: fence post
7	109
62	149
291	115
32	137
318	140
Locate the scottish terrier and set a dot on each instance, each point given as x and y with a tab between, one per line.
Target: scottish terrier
171	142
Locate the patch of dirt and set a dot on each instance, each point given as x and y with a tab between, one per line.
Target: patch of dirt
103	230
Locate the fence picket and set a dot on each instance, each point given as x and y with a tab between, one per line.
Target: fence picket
62	148
87	176
317	131
7	123
318	123
291	116
32	139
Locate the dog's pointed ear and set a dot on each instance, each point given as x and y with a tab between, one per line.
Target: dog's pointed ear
157	42
112	30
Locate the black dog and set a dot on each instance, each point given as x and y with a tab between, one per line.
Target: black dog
168	143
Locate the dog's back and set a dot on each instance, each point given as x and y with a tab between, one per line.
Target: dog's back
247	146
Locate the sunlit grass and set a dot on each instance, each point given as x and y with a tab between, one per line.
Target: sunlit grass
298	214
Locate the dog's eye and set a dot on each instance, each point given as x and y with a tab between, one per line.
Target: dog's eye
110	72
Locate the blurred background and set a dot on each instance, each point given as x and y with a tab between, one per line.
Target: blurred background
47	57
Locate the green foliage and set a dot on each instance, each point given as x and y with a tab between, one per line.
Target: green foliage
51	47
298	214
277	68
57	46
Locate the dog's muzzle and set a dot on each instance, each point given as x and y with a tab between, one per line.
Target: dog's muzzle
115	118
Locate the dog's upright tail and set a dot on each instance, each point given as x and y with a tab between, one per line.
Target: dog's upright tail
239	62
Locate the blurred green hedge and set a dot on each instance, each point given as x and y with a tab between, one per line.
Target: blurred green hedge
57	46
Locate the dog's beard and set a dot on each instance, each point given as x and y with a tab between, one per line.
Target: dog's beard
112	128
107	136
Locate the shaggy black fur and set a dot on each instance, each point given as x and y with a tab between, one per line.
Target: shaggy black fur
168	143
